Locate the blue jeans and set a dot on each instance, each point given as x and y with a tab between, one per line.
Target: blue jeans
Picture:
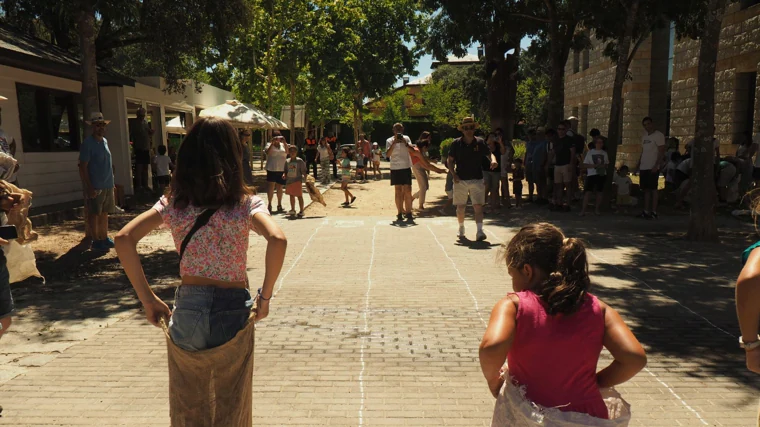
207	316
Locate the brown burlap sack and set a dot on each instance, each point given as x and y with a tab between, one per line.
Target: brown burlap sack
212	387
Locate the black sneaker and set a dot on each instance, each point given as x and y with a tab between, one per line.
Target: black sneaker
644	215
400	218
353	199
409	218
653	215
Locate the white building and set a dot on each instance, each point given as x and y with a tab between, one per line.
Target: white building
43	114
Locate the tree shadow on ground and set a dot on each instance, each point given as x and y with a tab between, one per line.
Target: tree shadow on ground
91	286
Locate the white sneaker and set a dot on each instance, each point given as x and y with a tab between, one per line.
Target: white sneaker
480	236
292	212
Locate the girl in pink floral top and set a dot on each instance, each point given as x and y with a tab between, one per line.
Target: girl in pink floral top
213	302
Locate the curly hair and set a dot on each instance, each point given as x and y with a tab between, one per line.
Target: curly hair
545	248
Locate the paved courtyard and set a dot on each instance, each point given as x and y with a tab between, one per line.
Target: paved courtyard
374	324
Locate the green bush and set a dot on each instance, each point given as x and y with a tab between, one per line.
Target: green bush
519	147
445	144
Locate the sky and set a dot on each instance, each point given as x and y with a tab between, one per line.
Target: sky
423	68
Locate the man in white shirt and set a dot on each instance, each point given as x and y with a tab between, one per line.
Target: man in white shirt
398	149
652	152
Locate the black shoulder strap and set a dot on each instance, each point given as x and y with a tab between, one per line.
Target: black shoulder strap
199	223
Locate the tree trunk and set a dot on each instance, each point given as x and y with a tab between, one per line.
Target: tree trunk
357	112
614	138
702	225
496	83
510	101
559	44
292	124
90	97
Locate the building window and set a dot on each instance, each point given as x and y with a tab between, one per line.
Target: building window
576	61
51	120
585	59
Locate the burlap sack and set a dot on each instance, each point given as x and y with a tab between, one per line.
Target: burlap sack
311	187
212	388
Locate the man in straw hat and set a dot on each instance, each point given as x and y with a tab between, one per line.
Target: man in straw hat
466	157
96	171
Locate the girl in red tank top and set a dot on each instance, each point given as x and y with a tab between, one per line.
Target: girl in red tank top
552	330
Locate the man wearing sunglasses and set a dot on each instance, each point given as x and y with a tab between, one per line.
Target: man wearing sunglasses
466	157
96	171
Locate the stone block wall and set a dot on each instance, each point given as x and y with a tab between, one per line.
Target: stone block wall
591	89
738	58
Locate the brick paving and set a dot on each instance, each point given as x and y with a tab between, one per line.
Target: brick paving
374	324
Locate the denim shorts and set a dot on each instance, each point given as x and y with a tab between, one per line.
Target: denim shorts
6	299
205	317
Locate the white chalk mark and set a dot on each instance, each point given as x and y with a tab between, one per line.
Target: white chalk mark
467	284
365	333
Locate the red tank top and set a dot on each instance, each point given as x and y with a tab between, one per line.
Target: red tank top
555	357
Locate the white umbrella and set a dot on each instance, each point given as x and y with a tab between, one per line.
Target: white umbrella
244	116
175	126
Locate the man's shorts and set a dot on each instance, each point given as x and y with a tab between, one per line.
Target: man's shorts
401	177
594	183
473	188
563	174
142	157
6	298
102	203
648	179
275	177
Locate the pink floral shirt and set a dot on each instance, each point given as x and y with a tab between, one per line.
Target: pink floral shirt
218	250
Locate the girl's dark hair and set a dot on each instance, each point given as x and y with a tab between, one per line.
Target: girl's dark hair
162	149
209	167
563	260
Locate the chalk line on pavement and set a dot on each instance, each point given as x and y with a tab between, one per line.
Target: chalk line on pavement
366	327
466	283
298	258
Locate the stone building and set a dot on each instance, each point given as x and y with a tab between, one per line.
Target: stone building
663	85
589	76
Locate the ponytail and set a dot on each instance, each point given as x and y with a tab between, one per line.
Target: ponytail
565	289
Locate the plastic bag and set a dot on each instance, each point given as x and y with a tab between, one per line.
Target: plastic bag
513	409
21	262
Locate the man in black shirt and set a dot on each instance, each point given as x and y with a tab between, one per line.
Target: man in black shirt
563	154
465	162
